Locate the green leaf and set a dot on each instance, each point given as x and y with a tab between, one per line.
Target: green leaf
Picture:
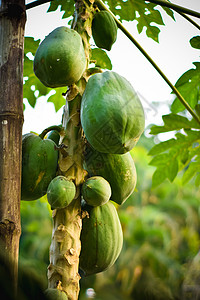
188	85
197	181
174	122
143	12
172	169
67	6
159	176
190	171
169	12
195	42
174	154
57	99
161	147
101	59
30	45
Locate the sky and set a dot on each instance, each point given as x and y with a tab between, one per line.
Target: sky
173	54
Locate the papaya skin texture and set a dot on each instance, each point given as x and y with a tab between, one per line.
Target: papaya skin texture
39	166
60	192
112	115
55	294
118	170
60	58
101	239
104	30
96	191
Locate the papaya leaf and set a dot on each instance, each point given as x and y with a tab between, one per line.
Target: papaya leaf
159	176
174	122
175	154
146	14
190	172
197	181
30	45
162	147
172	169
57	99
67	6
195	42
188	85
101	59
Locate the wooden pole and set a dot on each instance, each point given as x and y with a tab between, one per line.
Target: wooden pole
12	23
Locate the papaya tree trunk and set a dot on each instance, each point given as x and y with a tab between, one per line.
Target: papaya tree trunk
63	270
12	23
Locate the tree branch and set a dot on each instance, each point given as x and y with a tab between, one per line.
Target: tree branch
187	18
176	7
36	3
101	5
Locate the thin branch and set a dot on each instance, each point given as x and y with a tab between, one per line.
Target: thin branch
176	7
101	5
36	3
187	18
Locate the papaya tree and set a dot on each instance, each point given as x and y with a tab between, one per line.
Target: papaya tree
102	121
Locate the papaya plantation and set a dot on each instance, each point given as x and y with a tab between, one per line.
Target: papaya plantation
84	214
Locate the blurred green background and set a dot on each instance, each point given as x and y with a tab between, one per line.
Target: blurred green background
161	226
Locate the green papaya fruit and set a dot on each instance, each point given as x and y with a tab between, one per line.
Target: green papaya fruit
60	58
55	294
54	136
39	165
104	30
96	191
118	170
112	115
101	239
60	192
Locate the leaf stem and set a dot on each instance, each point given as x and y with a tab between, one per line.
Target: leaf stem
36	3
187	18
101	5
176	7
54	127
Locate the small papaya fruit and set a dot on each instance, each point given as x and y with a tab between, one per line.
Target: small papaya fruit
119	170
96	191
112	115
39	165
54	136
60	58
104	30
101	238
60	192
55	294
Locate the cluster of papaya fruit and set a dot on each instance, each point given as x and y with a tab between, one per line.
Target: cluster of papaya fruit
112	119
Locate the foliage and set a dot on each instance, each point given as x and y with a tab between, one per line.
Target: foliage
180	152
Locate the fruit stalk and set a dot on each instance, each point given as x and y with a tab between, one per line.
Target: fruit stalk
67	222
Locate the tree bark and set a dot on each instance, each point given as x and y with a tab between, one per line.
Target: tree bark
12	23
67	222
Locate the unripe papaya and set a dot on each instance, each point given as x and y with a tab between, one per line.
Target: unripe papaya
60	58
104	30
96	191
39	166
60	192
54	135
118	170
112	115
55	294
101	238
